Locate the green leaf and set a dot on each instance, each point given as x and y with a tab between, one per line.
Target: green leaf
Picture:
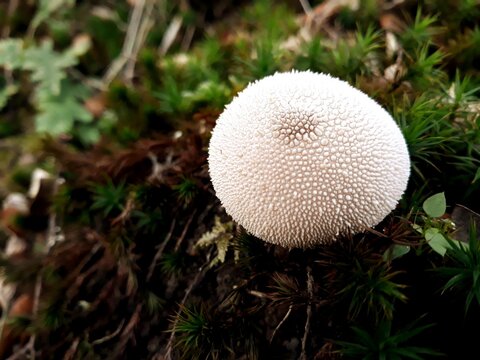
53	120
11	53
417	228
48	66
46	8
88	134
477	176
5	93
437	241
58	113
436	205
395	251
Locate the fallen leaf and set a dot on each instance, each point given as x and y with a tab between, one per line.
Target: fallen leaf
391	22
96	105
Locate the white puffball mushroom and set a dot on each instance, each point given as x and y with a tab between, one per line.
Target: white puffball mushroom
298	158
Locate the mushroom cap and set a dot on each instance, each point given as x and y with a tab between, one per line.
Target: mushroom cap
298	158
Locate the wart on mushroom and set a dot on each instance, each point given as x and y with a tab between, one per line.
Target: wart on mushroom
298	158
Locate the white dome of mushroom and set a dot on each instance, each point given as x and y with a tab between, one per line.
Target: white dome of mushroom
299	158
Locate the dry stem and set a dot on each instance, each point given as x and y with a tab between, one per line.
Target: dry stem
160	251
184	232
281	322
303	355
138	26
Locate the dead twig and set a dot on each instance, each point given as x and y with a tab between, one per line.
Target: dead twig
184	232
187	39
109	336
144	28
128	330
20	354
70	354
307	8
125	214
258	294
136	33
281	322
170	34
303	355
160	250
158	168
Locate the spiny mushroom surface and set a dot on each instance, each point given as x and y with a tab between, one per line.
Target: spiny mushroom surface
298	158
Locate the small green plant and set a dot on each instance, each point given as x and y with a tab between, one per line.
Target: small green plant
372	290
109	197
384	344
420	32
461	93
148	221
264	17
154	302
265	59
427	132
435	229
198	336
347	61
191	328
466	47
288	291
423	68
313	56
186	190
173	263
360	279
464	274
58	99
171	97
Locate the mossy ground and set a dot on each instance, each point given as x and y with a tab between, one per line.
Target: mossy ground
119	104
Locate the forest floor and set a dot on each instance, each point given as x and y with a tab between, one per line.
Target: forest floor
114	243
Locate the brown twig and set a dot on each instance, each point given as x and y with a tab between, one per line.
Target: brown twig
128	45
12	7
70	354
258	294
170	34
307	8
144	28
160	251
159	168
281	322
127	331
184	232
303	355
187	38
125	214
109	336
